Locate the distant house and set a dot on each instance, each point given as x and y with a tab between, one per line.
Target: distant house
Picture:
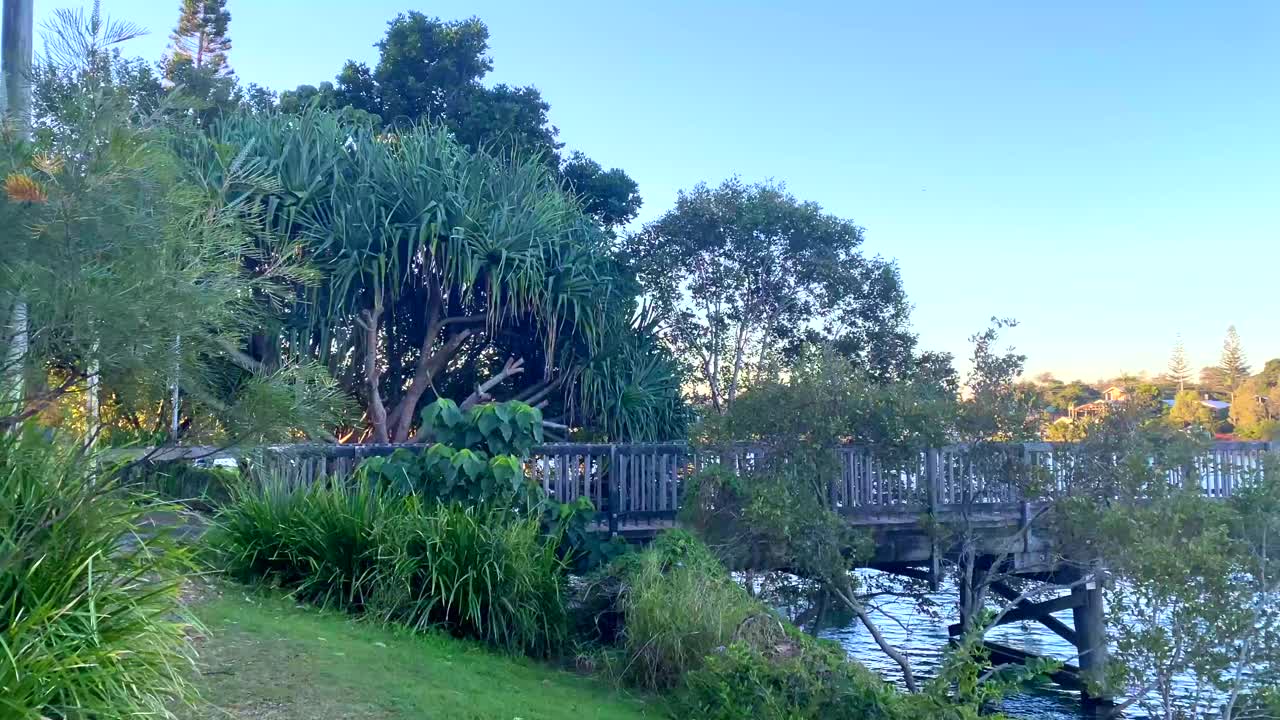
1111	397
1115	394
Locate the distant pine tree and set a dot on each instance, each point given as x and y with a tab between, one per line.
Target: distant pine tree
1234	364
201	40
1179	369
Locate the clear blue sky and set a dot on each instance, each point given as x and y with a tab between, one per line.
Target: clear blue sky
1108	173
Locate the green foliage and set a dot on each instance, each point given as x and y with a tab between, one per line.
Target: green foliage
476	461
187	483
741	274
477	573
89	616
966	687
200	40
483	573
320	542
119	254
1209	612
1255	406
443	253
433	69
800	679
678	604
1189	412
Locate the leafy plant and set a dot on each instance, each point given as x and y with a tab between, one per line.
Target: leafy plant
475	461
481	573
677	604
800	679
485	573
90	624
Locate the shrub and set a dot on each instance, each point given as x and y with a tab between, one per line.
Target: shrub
476	461
478	573
487	574
318	542
797	679
89	623
678	605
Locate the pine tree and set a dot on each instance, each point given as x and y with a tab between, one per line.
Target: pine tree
200	40
1234	364
1179	369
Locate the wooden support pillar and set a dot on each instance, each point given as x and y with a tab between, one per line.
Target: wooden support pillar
1091	639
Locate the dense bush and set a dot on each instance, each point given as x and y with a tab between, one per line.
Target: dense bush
88	609
488	574
677	605
319	542
798	679
478	573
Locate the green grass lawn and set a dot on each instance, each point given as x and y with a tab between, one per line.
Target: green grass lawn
264	658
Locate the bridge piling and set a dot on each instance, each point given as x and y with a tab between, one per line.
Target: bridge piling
1091	640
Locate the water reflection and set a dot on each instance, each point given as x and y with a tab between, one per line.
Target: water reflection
921	632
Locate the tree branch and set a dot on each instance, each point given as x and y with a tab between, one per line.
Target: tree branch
513	367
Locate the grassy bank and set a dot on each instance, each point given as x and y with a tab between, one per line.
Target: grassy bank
263	657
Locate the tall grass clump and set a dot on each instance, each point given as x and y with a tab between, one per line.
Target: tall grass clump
320	543
487	574
679	605
482	573
89	621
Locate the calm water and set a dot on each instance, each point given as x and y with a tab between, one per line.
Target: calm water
923	637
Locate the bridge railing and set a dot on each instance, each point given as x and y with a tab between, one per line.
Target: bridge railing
640	484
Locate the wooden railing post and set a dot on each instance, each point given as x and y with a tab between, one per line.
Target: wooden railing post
615	494
932	479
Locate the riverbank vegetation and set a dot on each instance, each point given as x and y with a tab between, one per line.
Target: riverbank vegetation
355	264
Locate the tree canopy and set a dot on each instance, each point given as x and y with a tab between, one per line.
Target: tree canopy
444	271
746	276
433	69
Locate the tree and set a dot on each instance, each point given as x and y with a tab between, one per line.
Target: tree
1179	368
443	271
1234	364
1193	633
200	40
120	254
610	196
740	274
1189	411
429	69
1255	409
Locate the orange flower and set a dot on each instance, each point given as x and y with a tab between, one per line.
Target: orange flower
21	188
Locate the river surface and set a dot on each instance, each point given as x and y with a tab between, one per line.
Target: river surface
923	637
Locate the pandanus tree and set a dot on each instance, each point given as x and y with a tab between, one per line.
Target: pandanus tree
440	272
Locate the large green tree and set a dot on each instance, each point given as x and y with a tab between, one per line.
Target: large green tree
431	69
135	276
444	271
746	276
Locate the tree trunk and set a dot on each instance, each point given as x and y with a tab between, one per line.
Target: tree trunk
16	32
739	350
377	411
